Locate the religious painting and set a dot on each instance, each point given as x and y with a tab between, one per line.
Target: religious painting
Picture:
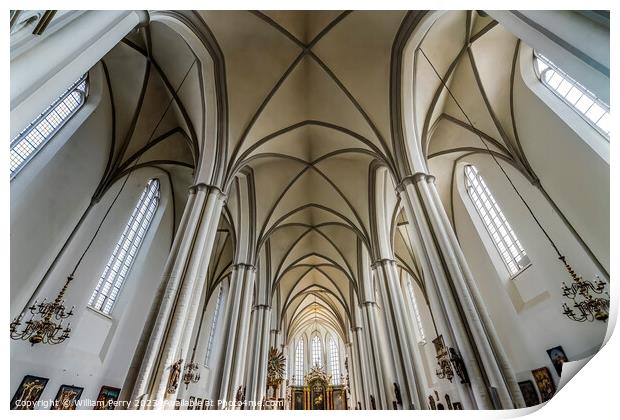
28	393
457	406
529	393
544	383
298	400
558	357
340	401
67	397
318	397
107	398
448	402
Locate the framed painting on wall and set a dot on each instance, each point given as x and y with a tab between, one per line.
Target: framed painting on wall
558	357
106	400
67	397
28	392
545	384
529	393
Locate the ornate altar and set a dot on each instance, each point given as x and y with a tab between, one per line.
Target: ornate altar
318	393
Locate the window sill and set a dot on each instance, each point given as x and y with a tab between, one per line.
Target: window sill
98	312
518	273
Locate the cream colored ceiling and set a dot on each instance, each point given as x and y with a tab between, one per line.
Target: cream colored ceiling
308	112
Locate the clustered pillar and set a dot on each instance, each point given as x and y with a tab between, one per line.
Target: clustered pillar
454	298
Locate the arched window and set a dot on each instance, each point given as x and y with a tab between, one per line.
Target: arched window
299	362
334	361
32	139
416	314
316	351
580	99
126	249
499	229
216	316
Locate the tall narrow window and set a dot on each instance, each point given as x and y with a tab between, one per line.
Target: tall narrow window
32	139
334	361
216	316
299	362
126	249
503	236
580	99
416	314
316	351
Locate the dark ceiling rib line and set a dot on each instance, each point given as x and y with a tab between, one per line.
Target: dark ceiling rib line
350	223
359	108
521	154
294	264
468	27
300	312
329	27
299	316
440	88
276	87
278	133
341	299
130	131
179	103
195	148
306	51
258	112
298	240
483	31
149	163
278	27
474	130
108	165
325	177
500	129
168	134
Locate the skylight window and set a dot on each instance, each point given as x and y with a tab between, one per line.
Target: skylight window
580	99
36	135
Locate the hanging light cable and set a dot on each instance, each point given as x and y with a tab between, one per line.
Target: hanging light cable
46	318
590	307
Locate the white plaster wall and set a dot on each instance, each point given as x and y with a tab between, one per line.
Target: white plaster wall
101	348
526	310
51	192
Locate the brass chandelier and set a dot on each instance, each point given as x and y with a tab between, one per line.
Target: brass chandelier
45	329
589	307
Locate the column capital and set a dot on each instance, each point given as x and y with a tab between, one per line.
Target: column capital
262	306
243	266
368	303
382	261
201	186
410	179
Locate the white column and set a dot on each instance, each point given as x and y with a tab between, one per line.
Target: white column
443	303
45	69
144	356
386	276
175	276
198	263
469	295
238	331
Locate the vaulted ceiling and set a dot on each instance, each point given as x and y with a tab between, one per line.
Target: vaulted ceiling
308	136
